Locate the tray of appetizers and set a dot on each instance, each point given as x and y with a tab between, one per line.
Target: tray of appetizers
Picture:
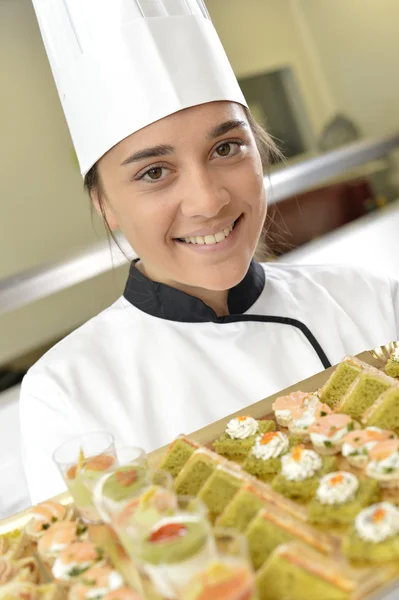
296	497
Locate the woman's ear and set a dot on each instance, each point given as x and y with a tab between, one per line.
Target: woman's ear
104	209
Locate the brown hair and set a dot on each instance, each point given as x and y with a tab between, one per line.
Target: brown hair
268	151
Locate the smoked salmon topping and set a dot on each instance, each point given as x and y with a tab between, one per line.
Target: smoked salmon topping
46	513
169	532
61	533
384	449
126	478
79	552
330	424
123	593
102	462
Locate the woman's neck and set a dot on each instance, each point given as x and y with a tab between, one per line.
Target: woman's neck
215	299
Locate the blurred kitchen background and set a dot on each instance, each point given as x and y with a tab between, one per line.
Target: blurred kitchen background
322	75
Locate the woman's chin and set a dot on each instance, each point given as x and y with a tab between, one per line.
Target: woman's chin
220	277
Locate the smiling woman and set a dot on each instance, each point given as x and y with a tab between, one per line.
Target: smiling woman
172	157
192	208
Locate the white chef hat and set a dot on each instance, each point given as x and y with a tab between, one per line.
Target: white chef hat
120	65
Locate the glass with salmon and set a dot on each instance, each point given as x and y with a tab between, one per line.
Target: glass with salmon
83	458
170	538
227	575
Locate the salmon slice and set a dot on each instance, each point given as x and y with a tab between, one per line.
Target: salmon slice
102	462
329	425
97	577
47	513
294	400
319	410
237	583
61	533
360	437
384	449
122	593
79	552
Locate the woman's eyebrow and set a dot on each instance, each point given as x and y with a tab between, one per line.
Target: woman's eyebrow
155	151
226	127
163	149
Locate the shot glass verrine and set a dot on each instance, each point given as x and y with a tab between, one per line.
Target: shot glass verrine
172	547
92	453
226	575
131	455
121	493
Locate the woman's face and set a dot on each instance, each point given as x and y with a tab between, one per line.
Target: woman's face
187	192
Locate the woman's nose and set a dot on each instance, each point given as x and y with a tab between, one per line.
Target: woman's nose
203	196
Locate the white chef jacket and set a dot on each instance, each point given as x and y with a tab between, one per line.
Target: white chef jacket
159	362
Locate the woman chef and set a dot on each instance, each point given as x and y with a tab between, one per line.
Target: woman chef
172	158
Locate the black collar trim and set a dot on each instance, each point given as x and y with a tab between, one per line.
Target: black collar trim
284	321
165	302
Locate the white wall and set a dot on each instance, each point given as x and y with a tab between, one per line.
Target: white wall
358	45
44	213
47	213
261	35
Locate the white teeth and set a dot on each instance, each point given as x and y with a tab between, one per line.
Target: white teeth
209	240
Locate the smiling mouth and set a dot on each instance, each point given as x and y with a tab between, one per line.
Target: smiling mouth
211	239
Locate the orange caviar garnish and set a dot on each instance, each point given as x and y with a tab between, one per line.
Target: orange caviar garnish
242	418
378	515
337	479
267	437
297	452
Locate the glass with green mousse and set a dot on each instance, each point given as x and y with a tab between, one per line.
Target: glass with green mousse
83	458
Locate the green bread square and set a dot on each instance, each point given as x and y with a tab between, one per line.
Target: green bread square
263	469
295	439
343	514
239	449
241	510
263	537
218	491
196	471
358	550
279	579
385	412
362	395
392	368
338	384
303	491
176	456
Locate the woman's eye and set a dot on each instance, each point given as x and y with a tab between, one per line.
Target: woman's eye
153	174
228	149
